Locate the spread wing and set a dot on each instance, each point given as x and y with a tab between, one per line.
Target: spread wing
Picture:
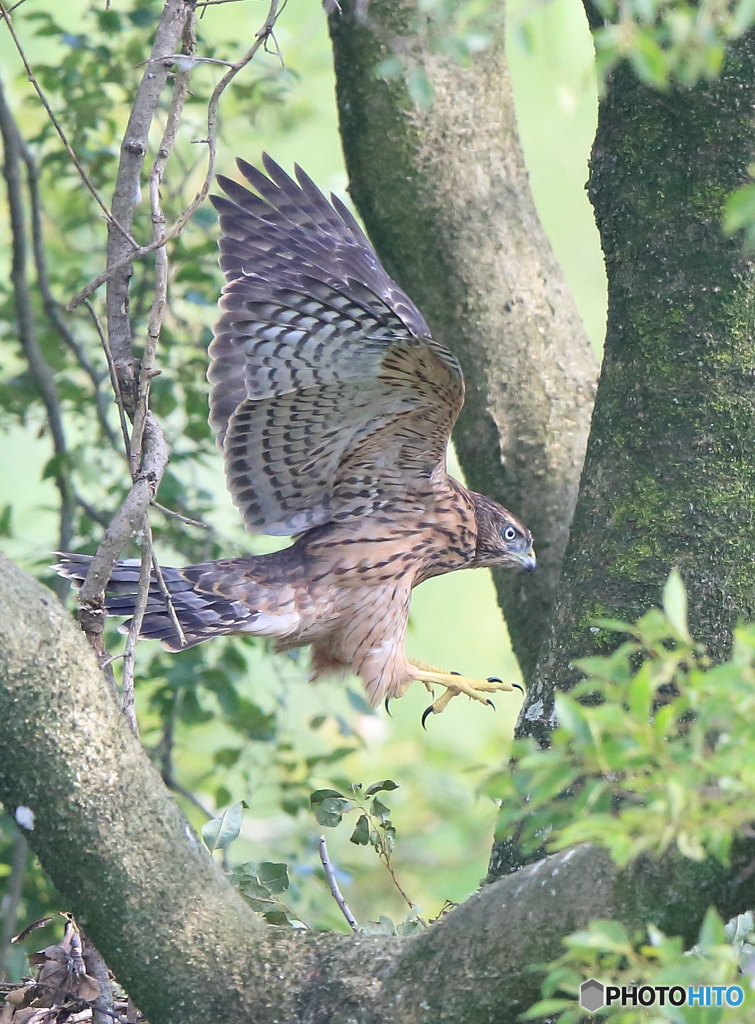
329	396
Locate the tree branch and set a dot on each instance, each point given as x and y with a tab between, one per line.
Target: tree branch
178	936
128	189
39	369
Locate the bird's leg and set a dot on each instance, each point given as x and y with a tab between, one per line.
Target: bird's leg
456	684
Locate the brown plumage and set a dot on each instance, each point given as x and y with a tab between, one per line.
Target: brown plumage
333	407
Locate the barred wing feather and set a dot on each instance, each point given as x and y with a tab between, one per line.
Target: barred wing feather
329	396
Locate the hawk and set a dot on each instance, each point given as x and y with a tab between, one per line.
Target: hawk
333	407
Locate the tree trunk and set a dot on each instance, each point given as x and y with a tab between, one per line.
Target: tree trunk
669	476
445	197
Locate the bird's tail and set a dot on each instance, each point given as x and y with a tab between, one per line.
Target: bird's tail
200	615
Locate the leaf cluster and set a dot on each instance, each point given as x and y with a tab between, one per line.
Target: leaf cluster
669	42
652	749
607	952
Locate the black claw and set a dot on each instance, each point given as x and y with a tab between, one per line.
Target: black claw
494	679
490	702
518	687
425	713
454	673
386	702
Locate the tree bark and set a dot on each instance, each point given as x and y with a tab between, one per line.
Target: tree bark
178	936
445	197
669	475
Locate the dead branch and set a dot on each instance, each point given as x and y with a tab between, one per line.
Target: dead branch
330	874
128	191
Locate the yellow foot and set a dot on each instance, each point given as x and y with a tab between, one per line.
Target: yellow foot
456	684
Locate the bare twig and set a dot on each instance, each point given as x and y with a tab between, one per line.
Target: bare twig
51	306
129	654
5	14
178	515
113	377
157	312
12	898
103	1007
39	368
333	883
127	191
167	596
261	38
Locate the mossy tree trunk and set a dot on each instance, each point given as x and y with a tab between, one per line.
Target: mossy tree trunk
445	197
669	476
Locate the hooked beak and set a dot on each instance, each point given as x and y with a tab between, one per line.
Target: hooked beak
528	562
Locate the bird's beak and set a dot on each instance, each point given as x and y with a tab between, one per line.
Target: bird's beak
528	562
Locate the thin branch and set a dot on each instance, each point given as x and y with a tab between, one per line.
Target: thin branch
166	595
127	191
39	369
159	302
51	306
261	38
5	14
129	654
179	516
12	899
333	883
113	377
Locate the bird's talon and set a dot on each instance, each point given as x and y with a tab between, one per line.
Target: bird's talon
386	702
452	673
490	702
518	686
425	713
494	679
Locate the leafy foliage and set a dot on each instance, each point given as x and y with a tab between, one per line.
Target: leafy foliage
606	951
652	748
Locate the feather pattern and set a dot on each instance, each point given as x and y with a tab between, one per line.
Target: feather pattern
329	395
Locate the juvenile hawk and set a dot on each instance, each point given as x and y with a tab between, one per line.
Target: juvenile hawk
333	407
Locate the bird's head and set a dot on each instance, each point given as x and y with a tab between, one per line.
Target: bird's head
501	539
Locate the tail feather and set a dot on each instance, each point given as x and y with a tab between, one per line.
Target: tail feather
201	615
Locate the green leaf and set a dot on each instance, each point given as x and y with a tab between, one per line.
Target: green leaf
379	809
322	794
361	834
739	210
712	931
390	69
420	88
273	876
330	811
675	604
387	785
279	917
219	833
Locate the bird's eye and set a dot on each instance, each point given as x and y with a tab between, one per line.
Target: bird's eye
510	533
